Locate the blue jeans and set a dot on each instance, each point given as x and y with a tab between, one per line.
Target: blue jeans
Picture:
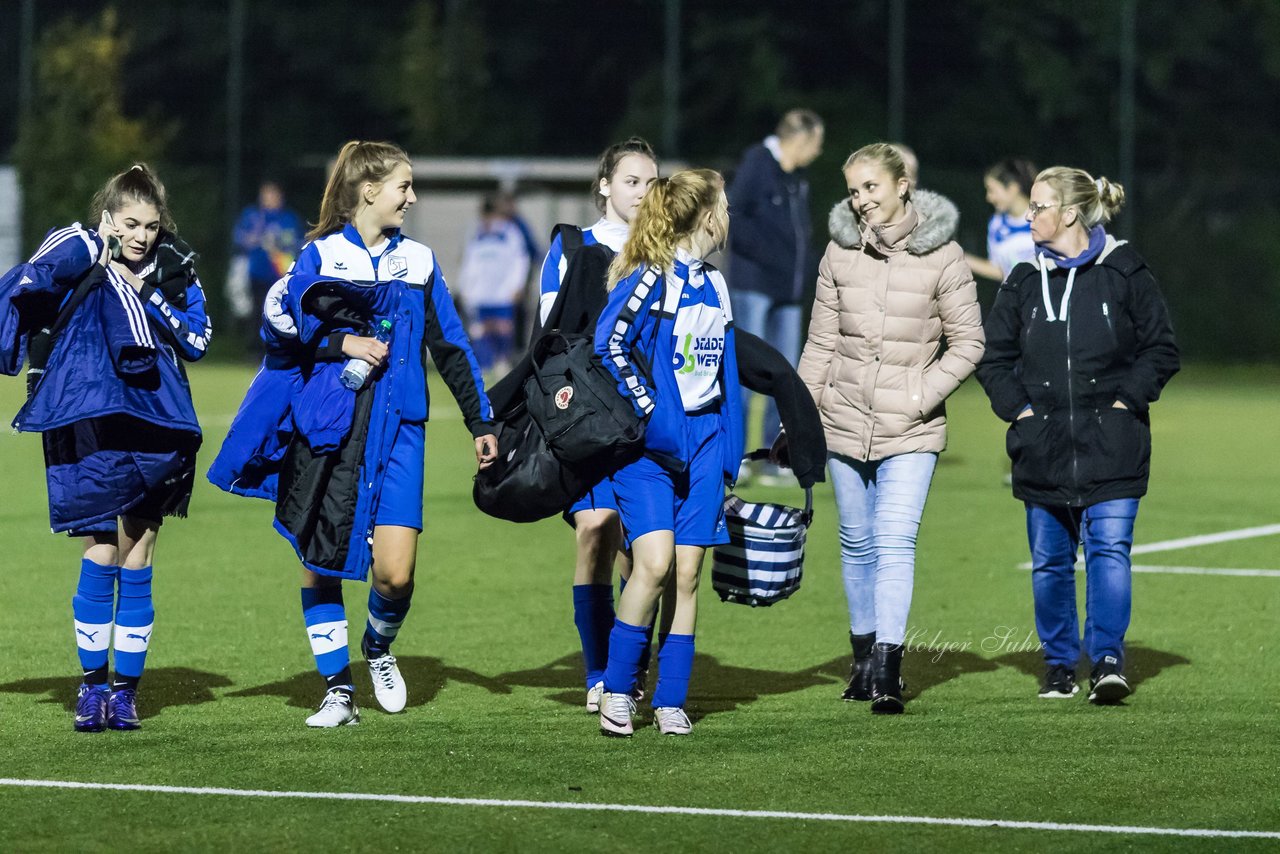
1054	534
779	325
880	504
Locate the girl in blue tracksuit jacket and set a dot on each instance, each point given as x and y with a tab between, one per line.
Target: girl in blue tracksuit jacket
104	327
624	173
346	469
666	334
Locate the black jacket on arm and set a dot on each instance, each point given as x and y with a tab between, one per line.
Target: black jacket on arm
762	369
1116	343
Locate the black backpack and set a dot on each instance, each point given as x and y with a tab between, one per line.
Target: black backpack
531	480
575	401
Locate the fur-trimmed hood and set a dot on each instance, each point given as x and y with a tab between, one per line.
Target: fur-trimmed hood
939	219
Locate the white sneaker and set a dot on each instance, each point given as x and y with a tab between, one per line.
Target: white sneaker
615	714
388	684
338	708
593	697
671	720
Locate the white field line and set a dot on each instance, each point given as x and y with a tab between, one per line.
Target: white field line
1208	570
1201	540
1206	539
1194	570
654	810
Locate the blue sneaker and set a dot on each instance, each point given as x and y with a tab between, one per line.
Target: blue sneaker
91	708
122	710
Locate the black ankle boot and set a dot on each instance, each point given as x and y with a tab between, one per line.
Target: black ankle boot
859	687
886	679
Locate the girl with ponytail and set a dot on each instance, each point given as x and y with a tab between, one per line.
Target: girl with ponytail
666	334
109	311
1079	345
345	466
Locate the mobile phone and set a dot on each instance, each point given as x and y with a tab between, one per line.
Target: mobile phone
113	243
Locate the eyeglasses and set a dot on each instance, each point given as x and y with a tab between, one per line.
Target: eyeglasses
1034	210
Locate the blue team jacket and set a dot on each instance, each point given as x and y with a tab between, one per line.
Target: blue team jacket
111	359
640	318
296	414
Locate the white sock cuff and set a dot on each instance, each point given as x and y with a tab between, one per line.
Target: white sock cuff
326	637
93	637
387	630
133	638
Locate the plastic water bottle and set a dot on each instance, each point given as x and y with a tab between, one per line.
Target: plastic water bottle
357	370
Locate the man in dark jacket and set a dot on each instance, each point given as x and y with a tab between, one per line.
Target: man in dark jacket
770	256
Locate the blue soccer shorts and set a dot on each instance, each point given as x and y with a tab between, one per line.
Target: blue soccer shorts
691	503
400	502
598	497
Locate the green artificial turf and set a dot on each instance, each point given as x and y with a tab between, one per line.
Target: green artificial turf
490	656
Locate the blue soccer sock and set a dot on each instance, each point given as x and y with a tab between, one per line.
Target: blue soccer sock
135	617
326	621
91	608
593	615
626	642
675	665
646	655
385	618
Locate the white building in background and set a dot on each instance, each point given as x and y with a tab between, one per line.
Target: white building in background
548	190
10	218
450	190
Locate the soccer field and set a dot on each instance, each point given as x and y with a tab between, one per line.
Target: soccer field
495	751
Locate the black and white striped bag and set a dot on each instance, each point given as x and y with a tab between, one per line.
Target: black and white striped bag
763	561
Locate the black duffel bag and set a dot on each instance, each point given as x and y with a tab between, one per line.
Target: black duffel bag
526	483
575	400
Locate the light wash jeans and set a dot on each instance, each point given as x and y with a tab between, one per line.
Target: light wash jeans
880	504
1055	533
777	324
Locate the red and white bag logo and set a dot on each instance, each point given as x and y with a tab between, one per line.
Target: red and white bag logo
563	396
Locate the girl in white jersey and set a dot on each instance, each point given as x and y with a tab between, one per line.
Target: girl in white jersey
667	337
625	171
1009	242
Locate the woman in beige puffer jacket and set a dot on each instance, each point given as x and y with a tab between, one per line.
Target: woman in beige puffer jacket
892	287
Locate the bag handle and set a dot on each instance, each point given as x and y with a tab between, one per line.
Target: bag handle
763	454
541	349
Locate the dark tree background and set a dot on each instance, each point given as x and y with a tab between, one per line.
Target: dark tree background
984	79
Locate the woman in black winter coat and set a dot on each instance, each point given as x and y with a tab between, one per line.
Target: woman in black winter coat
1079	345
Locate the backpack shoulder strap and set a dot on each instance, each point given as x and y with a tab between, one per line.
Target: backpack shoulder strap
40	342
570	240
